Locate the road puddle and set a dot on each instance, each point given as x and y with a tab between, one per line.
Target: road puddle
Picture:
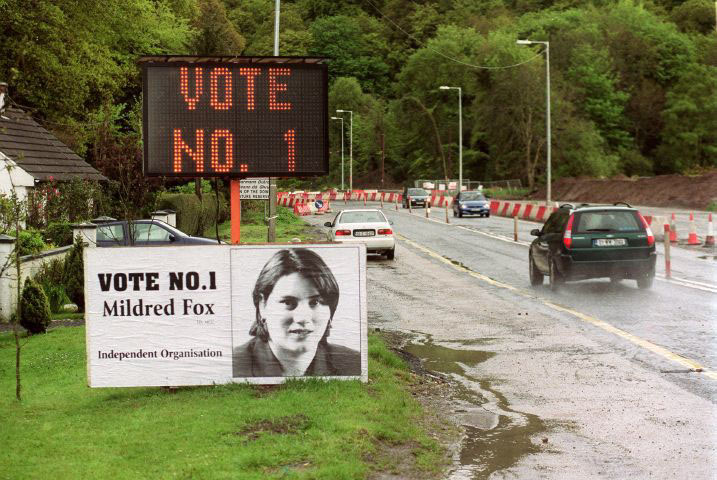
496	436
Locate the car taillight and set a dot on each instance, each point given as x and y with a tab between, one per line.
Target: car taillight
342	233
648	231
385	231
568	235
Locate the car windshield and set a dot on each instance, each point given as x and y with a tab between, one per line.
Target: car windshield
607	221
417	192
472	196
361	217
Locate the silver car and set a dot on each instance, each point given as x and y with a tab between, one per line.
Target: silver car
367	226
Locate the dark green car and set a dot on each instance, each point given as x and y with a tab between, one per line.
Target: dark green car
578	243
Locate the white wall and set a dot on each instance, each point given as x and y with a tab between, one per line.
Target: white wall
13	176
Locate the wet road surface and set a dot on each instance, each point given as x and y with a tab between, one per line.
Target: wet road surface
595	381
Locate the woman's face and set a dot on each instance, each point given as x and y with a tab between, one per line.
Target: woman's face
296	315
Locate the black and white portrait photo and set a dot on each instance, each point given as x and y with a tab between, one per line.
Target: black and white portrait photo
298	311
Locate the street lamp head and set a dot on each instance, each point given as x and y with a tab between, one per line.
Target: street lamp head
443	87
524	42
336	118
343	111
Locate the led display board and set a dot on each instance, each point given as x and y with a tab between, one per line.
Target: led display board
237	117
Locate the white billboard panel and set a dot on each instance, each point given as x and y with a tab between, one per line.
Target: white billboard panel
202	315
254	189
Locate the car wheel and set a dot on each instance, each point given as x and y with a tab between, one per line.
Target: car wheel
556	279
460	214
487	215
645	282
454	212
391	254
536	278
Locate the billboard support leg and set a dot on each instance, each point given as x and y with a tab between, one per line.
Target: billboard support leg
235	200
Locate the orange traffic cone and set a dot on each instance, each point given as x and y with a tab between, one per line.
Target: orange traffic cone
710	238
673	230
692	237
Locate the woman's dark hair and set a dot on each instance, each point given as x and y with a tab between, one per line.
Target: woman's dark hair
306	263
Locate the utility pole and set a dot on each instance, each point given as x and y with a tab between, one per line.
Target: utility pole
271	236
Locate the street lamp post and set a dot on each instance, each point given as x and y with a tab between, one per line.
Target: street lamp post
351	147
342	150
547	107
460	135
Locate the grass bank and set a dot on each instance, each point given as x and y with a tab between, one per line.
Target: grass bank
300	430
254	227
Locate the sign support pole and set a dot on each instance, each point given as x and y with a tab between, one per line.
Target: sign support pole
271	234
235	208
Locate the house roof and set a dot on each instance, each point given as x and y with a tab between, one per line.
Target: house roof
38	151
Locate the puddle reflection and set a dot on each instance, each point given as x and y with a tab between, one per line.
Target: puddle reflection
496	435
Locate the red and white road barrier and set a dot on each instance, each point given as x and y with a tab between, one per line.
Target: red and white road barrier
668	268
692	237
710	238
673	229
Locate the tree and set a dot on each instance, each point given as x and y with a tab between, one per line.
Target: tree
216	34
74	276
35	308
690	119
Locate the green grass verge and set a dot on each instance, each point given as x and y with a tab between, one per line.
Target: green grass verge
310	429
254	229
712	207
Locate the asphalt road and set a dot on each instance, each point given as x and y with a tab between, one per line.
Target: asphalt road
595	381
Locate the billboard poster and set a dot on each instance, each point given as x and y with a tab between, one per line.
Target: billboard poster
235	116
202	315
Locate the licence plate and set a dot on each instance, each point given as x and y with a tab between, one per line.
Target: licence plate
364	233
610	242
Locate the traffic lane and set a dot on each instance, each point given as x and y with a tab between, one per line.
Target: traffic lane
606	416
691	263
675	317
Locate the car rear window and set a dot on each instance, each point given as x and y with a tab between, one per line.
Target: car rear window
607	221
417	191
361	217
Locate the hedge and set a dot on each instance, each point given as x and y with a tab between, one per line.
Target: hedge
194	216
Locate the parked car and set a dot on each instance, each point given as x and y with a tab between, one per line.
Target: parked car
586	241
368	226
419	197
471	203
145	233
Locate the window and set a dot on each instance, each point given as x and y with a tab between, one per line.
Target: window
110	233
361	217
607	221
149	232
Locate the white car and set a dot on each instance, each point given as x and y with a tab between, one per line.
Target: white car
368	226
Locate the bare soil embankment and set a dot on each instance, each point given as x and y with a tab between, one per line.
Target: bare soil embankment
695	192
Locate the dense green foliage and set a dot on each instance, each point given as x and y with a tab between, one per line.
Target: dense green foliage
73	277
59	233
30	242
50	278
35	313
633	84
194	214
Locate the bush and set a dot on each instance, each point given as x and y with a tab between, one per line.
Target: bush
56	296
35	312
73	277
195	216
59	233
31	242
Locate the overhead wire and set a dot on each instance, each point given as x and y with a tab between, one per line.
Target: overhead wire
448	57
